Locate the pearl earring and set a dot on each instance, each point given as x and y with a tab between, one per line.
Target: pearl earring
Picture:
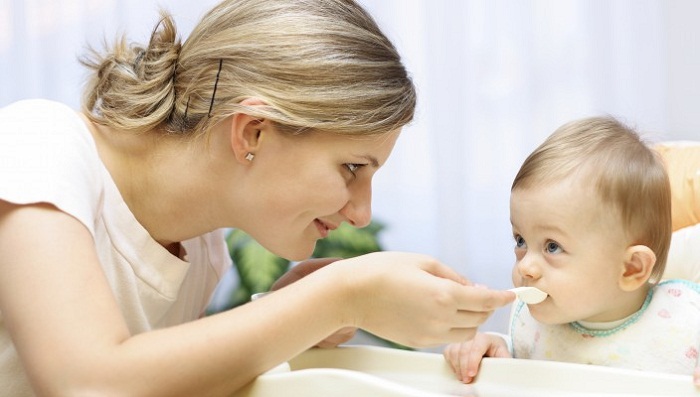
250	156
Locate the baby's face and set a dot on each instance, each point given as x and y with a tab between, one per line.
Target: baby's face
571	246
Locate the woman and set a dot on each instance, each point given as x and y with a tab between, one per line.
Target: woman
272	117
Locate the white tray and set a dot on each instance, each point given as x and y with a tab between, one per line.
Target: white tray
354	371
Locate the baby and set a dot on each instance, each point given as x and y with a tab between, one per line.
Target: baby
591	216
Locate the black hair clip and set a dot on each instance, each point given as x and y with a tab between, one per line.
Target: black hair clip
216	83
213	95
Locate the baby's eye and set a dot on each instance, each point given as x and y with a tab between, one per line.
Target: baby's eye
553	247
519	241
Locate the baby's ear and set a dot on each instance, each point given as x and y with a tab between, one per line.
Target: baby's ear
639	262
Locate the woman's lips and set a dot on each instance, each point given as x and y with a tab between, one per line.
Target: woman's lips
323	229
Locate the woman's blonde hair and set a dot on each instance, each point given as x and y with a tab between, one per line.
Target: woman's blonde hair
316	64
625	171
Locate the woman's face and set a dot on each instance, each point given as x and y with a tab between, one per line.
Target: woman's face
301	187
570	246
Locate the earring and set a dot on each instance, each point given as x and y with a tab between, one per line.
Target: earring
250	156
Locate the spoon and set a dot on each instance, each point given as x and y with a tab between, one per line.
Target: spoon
529	295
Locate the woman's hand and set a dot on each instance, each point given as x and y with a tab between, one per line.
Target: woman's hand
465	357
415	300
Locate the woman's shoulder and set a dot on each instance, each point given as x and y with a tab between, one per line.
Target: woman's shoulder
41	118
29	109
48	155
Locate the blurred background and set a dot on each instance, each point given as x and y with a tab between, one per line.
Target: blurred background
494	77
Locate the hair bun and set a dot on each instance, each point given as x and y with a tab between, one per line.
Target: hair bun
134	87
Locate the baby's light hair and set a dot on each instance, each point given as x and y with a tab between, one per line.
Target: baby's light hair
627	174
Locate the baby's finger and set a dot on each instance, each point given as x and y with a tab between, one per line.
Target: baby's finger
474	357
464	364
451	354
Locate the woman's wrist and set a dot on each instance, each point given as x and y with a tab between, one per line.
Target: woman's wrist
343	286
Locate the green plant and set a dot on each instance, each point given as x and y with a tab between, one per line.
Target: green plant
258	268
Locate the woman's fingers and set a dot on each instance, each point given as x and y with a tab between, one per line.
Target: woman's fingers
440	270
469	319
415	300
341	336
481	299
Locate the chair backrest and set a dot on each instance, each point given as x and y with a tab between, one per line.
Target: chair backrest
682	160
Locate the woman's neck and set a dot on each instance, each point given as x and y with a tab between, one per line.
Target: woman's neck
153	173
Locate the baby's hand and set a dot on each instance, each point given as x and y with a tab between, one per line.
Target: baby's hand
465	357
696	377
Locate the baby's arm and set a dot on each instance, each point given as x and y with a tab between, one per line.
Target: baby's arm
465	357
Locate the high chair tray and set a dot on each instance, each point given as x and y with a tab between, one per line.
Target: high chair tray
357	371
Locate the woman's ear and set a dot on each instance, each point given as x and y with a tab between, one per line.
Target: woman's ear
639	262
246	132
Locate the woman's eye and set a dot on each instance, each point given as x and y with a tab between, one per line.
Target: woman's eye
353	168
552	247
519	242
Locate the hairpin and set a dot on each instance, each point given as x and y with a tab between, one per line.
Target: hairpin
216	83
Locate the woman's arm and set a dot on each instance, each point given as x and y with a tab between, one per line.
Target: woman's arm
73	340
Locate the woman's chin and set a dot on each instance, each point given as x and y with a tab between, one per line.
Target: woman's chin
296	253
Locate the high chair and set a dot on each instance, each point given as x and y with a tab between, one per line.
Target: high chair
682	160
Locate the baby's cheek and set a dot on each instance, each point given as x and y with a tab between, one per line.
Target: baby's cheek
515	275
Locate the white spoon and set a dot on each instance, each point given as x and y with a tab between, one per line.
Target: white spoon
529	295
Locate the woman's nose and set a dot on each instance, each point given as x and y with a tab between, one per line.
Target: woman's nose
528	267
358	210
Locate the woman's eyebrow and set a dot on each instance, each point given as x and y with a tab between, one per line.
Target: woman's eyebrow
371	160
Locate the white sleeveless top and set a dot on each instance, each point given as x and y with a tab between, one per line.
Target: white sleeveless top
47	154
